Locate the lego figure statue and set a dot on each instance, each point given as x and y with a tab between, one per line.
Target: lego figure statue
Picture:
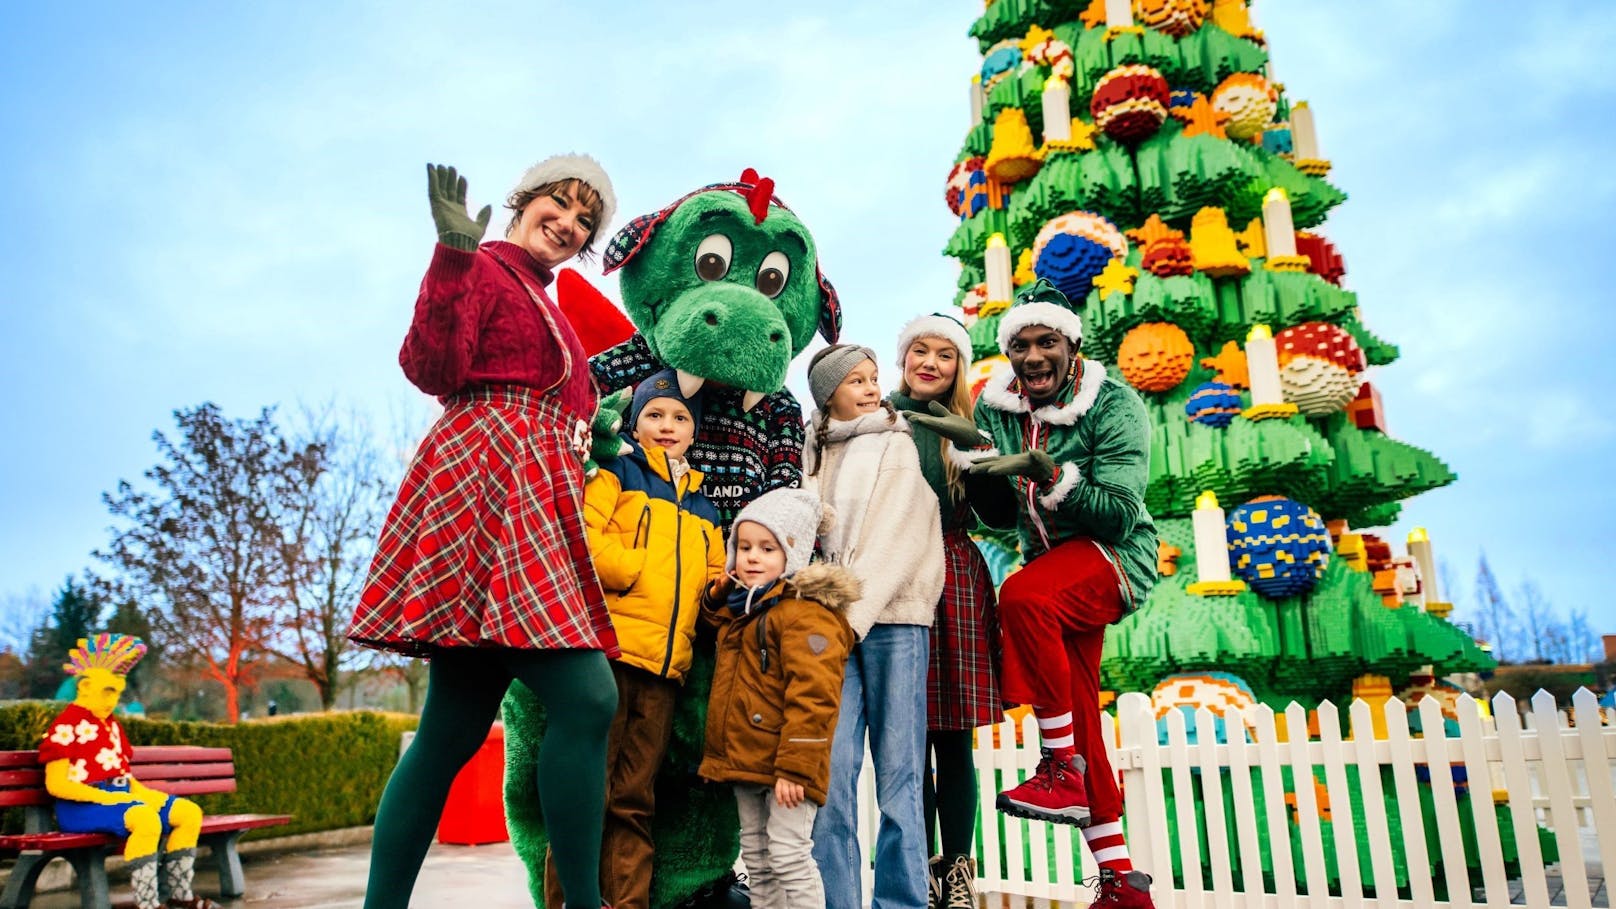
86	758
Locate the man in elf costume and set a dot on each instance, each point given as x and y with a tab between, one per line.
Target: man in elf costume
86	758
1075	446
724	287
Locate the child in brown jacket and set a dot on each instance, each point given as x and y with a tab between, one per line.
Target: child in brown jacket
782	646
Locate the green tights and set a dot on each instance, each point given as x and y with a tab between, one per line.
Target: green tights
463	693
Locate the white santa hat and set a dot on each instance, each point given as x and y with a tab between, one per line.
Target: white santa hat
573	167
936	325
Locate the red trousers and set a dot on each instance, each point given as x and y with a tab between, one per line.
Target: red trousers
1053	614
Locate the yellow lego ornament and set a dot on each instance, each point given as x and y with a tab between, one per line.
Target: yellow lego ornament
87	756
1213	245
1013	157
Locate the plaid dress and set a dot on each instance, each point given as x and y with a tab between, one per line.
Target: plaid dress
962	686
485	545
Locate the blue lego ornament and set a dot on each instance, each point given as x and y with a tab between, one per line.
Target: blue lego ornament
1213	404
1277	545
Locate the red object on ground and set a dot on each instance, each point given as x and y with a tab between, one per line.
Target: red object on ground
597	321
475	811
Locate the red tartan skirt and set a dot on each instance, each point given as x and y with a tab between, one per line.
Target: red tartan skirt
485	545
962	686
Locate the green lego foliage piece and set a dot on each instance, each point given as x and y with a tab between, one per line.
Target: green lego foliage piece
1371	469
970	240
984	334
1248	459
1101	181
977	142
1377	351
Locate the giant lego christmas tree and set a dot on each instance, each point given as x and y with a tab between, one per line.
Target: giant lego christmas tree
1141	157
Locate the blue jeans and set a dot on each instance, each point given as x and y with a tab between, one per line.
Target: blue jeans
883	695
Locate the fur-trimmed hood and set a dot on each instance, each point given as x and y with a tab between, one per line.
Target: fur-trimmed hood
829	585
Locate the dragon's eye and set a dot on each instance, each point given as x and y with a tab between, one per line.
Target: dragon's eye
712	257
772	274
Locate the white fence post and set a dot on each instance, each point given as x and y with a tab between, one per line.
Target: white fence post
1553	774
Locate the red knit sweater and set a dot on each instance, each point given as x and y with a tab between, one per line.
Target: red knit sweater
476	324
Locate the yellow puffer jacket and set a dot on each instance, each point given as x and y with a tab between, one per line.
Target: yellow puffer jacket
655	548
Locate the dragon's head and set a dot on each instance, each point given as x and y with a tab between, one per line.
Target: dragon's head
725	286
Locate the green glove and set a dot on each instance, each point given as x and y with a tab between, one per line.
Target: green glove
1035	465
447	191
604	442
951	426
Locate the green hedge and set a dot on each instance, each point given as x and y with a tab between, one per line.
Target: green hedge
327	770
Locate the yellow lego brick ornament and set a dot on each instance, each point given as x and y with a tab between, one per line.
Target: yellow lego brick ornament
1213	245
1013	157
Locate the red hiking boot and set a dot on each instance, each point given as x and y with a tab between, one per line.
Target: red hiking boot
1128	890
1054	793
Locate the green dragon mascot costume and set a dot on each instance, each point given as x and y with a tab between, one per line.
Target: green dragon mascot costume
723	286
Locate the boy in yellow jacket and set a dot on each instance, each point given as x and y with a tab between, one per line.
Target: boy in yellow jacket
656	543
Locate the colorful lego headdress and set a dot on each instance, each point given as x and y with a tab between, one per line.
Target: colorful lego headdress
116	653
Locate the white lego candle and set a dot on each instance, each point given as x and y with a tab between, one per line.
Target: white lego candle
1262	367
978	101
1419	547
1000	286
1118	13
1304	136
1057	111
1279	231
1211	539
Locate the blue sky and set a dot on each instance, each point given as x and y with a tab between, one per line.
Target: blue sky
225	202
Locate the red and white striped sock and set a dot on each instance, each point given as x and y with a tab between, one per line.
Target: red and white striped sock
1055	732
1110	849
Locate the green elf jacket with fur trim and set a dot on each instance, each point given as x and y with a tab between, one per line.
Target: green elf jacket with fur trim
1098	433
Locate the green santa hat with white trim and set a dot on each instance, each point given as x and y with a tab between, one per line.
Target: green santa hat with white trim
1040	303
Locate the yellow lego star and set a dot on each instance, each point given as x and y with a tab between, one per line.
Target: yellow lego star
1035	37
1116	278
1024	273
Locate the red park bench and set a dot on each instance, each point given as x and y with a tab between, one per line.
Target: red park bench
178	770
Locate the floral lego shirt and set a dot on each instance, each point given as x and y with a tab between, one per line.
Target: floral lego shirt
96	750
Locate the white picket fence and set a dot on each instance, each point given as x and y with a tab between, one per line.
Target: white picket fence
1262	841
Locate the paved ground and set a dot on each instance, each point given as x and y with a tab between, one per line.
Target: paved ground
467	877
464	877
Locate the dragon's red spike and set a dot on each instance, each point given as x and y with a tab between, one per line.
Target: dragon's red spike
757	198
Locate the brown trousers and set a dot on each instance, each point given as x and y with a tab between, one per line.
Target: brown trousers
634	750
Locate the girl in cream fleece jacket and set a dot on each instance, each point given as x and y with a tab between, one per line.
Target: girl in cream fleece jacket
861	460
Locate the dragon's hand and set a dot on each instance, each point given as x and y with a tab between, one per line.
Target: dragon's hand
447	192
604	442
951	426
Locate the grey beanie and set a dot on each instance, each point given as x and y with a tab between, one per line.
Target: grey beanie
830	366
792	515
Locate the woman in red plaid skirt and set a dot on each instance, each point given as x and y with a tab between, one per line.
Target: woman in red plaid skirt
482	565
963	683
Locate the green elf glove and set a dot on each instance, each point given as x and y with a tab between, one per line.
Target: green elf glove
951	426
1035	465
604	442
447	192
